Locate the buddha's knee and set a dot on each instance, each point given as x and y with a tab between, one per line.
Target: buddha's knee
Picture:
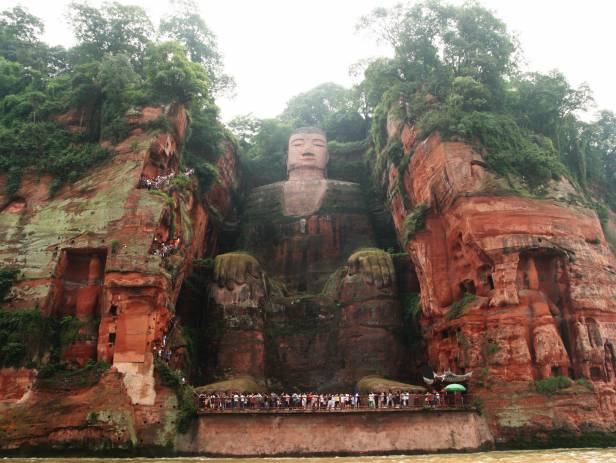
236	268
374	266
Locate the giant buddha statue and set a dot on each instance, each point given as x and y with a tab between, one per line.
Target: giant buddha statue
308	301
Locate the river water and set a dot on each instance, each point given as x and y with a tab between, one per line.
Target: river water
530	456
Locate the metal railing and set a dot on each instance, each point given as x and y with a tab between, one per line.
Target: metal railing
277	404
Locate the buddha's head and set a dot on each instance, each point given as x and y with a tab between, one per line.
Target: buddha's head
308	156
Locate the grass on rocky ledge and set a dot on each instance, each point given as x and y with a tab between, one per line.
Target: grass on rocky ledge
457	309
549	386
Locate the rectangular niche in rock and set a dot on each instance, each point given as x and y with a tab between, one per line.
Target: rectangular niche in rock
78	281
76	293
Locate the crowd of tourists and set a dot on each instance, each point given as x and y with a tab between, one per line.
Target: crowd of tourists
235	401
165	248
163	350
160	181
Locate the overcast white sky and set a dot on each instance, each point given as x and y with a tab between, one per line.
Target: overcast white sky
276	49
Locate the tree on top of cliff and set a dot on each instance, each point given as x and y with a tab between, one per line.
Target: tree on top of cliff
455	70
190	29
118	64
111	29
330	107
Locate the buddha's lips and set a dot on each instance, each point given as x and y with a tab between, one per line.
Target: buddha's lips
308	155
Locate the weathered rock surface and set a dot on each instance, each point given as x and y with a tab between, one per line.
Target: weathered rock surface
313	305
321	434
542	276
88	253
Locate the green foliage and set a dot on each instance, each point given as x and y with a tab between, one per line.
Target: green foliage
23	335
110	30
478	405
188	28
7	278
415	221
454	70
457	309
393	151
166	197
174	379
69	330
489	348
205	172
171	76
115	246
585	383
204	143
49	148
549	386
187	408
266	155
179	183
335	147
116	67
58	377
411	333
492	348
330	107
168	377
411	304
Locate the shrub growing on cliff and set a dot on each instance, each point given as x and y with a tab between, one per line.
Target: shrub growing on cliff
59	377
549	386
7	278
457	308
24	334
415	221
187	406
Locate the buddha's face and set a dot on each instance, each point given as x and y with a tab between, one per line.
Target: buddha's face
307	150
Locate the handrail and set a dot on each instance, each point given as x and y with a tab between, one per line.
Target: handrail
207	405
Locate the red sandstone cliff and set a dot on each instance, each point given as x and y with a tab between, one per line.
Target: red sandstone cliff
541	271
542	276
88	252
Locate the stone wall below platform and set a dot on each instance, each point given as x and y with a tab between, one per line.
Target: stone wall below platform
343	433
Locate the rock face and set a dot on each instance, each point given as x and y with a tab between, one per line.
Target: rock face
513	288
87	252
537	277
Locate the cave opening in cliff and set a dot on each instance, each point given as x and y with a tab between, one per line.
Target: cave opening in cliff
159	163
596	374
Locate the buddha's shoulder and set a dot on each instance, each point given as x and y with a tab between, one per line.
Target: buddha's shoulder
274	191
339	196
271	193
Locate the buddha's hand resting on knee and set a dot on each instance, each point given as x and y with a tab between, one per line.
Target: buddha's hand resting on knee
235	268
374	265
